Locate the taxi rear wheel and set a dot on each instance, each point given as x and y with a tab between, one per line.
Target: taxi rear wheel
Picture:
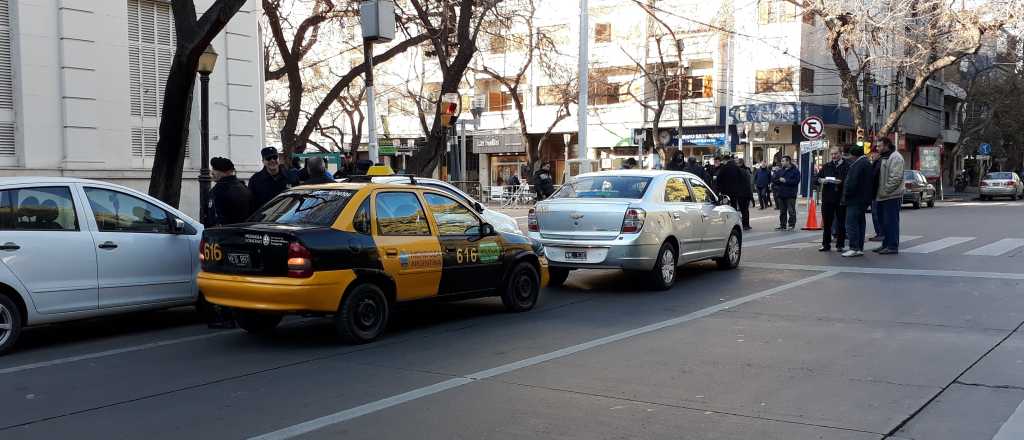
522	288
363	314
256	322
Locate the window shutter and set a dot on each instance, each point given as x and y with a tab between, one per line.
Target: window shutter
151	45
708	90
6	82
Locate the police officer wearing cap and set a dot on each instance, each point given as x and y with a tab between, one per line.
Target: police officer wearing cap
270	181
230	200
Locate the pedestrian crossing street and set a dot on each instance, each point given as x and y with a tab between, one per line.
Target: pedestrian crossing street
909	244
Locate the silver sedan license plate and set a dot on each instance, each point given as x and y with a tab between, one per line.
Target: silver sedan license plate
576	255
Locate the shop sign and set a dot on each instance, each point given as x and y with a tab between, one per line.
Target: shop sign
930	160
776	112
493	142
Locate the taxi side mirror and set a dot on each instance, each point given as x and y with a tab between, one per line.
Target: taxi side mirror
486	230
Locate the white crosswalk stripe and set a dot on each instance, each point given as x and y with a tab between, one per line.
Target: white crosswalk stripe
998	248
808	240
937	245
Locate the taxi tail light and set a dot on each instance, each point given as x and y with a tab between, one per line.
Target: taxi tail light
531	221
202	245
984	183
633	221
908	185
300	261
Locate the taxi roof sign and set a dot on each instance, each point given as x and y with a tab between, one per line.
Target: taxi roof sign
380	170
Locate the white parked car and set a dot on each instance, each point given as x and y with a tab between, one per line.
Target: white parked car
501	222
74	248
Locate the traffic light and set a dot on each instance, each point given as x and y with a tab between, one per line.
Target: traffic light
449	108
860	135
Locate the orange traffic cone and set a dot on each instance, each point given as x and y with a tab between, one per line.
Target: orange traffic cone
812	217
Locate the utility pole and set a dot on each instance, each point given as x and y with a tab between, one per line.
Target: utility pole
584	73
377	19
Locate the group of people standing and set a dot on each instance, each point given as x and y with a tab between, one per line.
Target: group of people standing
853	181
850	183
232	201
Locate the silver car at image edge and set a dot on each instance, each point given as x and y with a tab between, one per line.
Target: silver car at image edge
75	248
638	220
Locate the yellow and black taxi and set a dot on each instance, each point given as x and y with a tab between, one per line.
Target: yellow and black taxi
354	250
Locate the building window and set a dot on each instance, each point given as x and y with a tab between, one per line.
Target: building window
151	44
694	87
775	11
774	80
806	80
6	82
605	92
603	33
551	95
933	96
498	44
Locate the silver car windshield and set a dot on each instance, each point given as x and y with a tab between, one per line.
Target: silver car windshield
604	187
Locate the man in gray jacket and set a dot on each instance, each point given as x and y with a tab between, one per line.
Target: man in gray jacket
890	196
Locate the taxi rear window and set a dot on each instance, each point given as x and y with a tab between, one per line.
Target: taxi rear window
304	207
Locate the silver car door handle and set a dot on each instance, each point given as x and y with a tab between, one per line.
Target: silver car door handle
675	215
9	246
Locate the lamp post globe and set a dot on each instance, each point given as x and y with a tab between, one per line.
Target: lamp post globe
207	61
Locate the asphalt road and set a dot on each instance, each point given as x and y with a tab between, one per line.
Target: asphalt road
795	344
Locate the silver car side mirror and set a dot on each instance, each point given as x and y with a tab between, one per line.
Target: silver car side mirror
179	226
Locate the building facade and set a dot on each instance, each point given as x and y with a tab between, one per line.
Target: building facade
81	89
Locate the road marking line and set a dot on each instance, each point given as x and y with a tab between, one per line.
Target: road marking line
1013	427
398	399
906	238
998	248
888	271
804	245
788	236
100	354
937	245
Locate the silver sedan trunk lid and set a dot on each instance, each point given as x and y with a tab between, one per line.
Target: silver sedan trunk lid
581	219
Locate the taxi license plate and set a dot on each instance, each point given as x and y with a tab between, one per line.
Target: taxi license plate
240	260
575	255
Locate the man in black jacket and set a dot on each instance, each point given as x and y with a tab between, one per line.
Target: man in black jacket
544	182
859	192
270	181
230	200
831	177
694	168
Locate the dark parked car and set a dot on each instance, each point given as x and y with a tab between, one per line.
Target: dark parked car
918	190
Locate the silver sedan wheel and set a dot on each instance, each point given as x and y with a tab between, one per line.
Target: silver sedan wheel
734	250
668	266
6	324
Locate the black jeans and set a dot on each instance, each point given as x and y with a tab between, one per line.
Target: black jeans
832	214
743	206
764	197
787	211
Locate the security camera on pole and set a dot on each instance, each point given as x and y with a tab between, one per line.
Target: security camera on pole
377	18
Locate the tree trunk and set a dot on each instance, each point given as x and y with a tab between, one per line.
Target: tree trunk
169	158
846	77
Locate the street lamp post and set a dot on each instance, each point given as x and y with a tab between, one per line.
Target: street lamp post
207	61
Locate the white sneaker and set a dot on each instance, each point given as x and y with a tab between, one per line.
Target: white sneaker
852	253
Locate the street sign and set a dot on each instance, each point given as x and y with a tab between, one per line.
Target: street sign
985	149
809	146
812	127
930	160
387	147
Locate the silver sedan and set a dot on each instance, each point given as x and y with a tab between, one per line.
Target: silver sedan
637	220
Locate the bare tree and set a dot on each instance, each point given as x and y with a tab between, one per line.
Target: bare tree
513	31
193	36
452	27
290	47
917	38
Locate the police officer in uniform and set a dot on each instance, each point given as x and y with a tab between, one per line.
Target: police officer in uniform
230	200
270	181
